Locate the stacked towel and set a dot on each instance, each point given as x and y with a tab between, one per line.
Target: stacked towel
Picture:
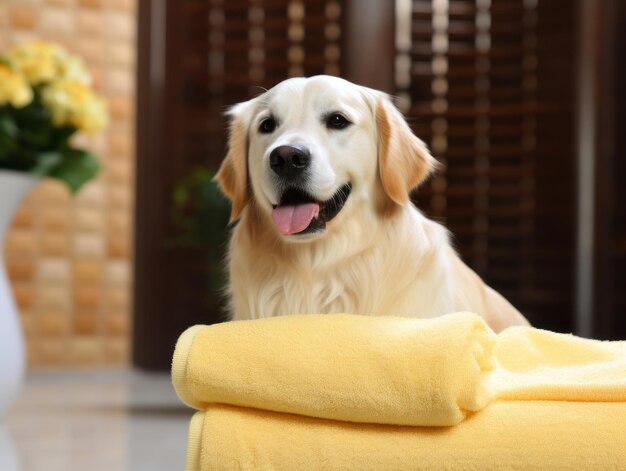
507	435
352	392
358	369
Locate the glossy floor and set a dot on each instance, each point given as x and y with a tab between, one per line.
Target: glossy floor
95	421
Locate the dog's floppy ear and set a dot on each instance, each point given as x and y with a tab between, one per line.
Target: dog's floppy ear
403	159
232	176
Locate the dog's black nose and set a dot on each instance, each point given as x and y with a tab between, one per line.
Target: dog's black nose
289	161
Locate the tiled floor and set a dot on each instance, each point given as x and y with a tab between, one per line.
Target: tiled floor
112	420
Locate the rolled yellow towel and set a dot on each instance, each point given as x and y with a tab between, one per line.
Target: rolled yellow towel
507	435
352	368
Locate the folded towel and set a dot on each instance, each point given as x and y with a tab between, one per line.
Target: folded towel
343	367
324	392
507	435
540	365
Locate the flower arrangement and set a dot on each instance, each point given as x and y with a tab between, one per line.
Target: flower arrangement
45	98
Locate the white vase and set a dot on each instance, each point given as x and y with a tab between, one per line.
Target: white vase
9	457
13	187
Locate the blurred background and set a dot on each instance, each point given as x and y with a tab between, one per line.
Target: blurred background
523	101
69	258
520	99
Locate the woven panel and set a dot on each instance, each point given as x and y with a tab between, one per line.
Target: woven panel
214	53
235	49
232	50
487	84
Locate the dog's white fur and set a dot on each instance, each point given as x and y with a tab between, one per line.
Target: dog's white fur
379	255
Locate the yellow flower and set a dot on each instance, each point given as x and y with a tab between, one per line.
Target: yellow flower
42	62
71	103
73	68
13	88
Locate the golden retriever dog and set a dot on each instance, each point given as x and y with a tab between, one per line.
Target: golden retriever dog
319	172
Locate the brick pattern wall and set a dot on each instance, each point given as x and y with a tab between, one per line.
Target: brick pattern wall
69	259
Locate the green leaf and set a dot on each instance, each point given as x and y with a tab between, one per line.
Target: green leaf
8	126
200	212
181	195
30	142
76	168
8	149
62	135
45	162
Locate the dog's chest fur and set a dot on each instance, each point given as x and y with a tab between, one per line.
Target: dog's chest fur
358	273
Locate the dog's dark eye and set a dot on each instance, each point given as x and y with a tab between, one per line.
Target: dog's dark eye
337	121
267	126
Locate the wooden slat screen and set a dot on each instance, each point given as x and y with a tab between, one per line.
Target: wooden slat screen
233	49
488	85
214	53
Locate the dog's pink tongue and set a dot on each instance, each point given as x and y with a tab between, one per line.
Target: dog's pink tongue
293	219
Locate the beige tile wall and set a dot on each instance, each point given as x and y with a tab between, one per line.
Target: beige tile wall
69	259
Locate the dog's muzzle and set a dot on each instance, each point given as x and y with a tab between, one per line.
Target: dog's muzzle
300	213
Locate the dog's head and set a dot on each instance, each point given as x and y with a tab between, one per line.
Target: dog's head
310	152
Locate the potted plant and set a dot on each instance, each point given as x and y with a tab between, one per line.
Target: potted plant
45	99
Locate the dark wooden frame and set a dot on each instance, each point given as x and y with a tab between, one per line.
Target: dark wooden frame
610	149
150	120
154	329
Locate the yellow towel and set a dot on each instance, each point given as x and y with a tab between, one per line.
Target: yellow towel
540	365
507	435
324	392
343	367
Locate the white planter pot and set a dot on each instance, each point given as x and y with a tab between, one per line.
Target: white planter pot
13	187
9	459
